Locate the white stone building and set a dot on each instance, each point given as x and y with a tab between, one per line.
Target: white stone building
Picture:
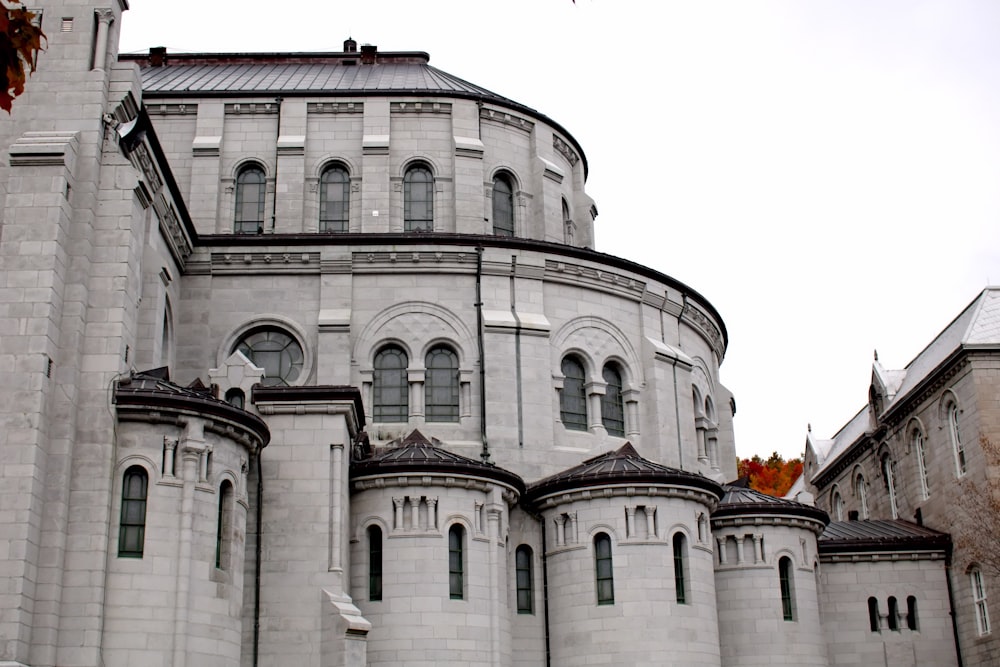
391	406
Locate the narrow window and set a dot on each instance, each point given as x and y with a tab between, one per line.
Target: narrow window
166	335
441	385
522	568
787	588
604	569
612	405
503	206
390	386
911	613
334	199
837	506
862	492
921	454
250	191
888	476
569	228
374	563
893	614
956	439
236	398
979	599
573	399
456	563
418	199
873	614
132	527
680	568
222	525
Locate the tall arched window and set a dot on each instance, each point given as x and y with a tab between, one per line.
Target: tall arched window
334	199
374	563
573	398
680	568
893	618
223	525
250	194
956	439
787	588
917	441
979	600
569	229
441	385
861	491
837	506
522	569
418	199
456	562
911	613
167	334
873	620
612	405
390	386
132	524
604	571
503	206
889	478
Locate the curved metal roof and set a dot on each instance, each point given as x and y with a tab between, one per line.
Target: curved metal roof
878	536
741	500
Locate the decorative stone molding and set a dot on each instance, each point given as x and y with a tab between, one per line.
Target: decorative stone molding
577	274
265	262
565	150
507	119
251	108
420	107
186	109
335	108
45	149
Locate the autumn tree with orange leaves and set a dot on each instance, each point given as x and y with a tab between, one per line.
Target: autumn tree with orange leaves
20	42
773	476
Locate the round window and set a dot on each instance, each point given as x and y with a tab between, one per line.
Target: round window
278	353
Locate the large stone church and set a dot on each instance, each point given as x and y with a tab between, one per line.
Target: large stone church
309	360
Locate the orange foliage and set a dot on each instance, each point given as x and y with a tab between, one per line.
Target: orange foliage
773	476
20	41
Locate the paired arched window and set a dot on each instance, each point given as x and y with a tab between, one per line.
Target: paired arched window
603	569
861	491
503	205
979	600
889	478
441	385
456	562
680	568
956	439
787	586
418	199
223	526
374	563
132	524
612	404
250	194
334	199
917	442
522	571
573	398
390	386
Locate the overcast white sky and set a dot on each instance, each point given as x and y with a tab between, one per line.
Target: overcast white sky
826	173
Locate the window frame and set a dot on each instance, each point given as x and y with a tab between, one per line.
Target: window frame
679	544
912	620
375	552
382	411
980	601
129	523
786	585
918	443
338	224
613	401
951	414
291	353
498	196
441	379
862	493
604	570
574	388
524	579
223	526
456	562
243	200
889	478
412	222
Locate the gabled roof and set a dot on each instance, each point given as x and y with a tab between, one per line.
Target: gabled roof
619	467
880	536
739	500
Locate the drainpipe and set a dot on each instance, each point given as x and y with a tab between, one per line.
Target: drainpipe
517	349
545	597
277	139
951	606
257	552
485	453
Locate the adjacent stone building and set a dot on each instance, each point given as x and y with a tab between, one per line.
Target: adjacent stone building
310	360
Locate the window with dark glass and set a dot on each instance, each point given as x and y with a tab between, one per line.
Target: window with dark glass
441	385
604	570
522	570
680	568
873	621
418	199
390	386
250	194
911	613
132	526
235	397
222	526
503	206
456	562
274	350
956	440
893	617
612	405
573	398
334	199
787	588
374	563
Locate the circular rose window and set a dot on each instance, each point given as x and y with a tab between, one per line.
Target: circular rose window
278	353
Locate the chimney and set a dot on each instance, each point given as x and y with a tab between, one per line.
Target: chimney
350	46
368	52
157	56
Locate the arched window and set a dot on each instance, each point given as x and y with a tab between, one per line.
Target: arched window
132	524
569	229
911	614
236	398
861	491
612	405
573	398
503	206
390	386
456	562
873	620
787	588
334	199
250	193
956	439
680	568
223	525
167	335
374	563
889	478
418	199
603	569
917	440
893	617
979	600
837	505
522	569
276	351
441	385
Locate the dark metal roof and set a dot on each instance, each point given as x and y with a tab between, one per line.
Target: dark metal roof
740	500
877	536
620	466
416	454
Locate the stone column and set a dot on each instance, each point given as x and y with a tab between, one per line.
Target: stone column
104	19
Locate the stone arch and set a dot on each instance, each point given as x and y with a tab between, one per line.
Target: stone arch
270	320
335	159
419	324
594	338
362	526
